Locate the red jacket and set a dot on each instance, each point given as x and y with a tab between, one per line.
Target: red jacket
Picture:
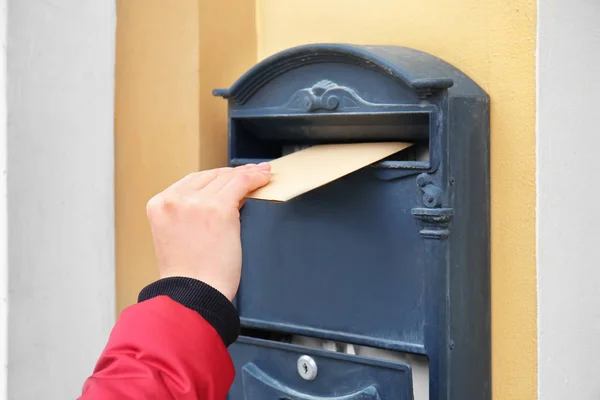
161	349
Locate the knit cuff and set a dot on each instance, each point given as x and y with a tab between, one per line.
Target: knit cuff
211	304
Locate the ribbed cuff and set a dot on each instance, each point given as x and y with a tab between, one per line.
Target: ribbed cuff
211	304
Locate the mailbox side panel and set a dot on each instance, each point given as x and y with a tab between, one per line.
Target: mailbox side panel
469	317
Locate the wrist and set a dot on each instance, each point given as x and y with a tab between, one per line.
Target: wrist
210	303
224	288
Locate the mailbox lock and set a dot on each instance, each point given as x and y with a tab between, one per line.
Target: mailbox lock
307	368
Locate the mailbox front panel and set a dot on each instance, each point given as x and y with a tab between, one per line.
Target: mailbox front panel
340	259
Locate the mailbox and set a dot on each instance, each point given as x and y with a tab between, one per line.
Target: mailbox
377	285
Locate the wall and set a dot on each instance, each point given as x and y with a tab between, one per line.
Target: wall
156	123
493	42
170	55
568	251
60	193
3	211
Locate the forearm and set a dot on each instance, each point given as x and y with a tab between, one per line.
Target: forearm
171	345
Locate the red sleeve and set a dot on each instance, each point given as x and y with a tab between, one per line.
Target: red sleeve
159	349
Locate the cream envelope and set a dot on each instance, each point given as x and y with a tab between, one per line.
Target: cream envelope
308	169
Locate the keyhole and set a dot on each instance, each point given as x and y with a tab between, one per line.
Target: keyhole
307	368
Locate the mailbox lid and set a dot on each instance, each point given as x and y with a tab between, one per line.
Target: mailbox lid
423	73
269	370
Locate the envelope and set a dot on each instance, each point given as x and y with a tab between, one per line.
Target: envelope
305	170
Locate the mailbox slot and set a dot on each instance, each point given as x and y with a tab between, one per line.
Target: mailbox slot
338	128
263	138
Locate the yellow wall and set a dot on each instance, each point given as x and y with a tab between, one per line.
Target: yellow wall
169	58
493	41
170	54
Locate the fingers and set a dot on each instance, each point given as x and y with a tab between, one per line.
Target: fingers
235	186
218	184
198	180
240	185
231	185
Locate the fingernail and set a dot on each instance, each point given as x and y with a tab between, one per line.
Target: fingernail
263	164
250	165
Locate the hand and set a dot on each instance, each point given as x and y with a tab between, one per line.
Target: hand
196	225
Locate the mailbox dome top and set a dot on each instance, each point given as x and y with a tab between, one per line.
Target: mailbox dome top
420	71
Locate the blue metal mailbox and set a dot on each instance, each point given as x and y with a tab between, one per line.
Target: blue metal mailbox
394	257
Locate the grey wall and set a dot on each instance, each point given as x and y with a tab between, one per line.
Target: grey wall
3	210
568	217
60	185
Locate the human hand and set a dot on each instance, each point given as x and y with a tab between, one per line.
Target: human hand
196	225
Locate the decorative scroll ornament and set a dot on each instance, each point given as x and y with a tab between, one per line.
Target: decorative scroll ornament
325	95
435	219
432	195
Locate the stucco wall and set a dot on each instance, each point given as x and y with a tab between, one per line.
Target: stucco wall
170	56
568	251
493	42
60	193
